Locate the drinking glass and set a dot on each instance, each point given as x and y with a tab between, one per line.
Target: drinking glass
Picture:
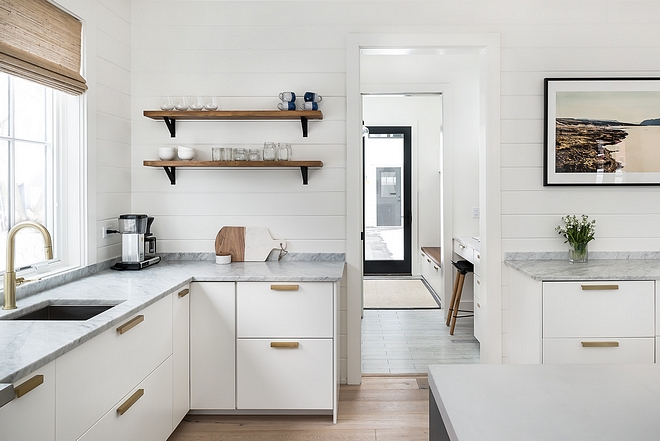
216	154
227	154
196	103
270	153
167	103
181	103
210	103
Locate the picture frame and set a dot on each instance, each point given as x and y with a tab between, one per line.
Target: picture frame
601	131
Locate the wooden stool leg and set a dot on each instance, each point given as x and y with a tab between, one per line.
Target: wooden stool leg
457	302
453	298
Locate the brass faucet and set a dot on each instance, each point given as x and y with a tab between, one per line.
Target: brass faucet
10	274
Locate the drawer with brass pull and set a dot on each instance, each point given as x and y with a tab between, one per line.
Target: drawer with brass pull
590	350
284	310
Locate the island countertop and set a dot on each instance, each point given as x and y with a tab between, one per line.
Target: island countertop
27	345
547	402
594	269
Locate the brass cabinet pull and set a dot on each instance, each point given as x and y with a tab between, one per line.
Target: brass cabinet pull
131	400
428	260
478	282
284	344
28	385
130	324
461	246
600	344
478	256
435	267
599	287
184	292
284	287
478	305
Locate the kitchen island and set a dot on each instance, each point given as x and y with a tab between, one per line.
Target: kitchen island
544	402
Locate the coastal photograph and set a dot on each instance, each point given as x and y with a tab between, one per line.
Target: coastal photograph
603	132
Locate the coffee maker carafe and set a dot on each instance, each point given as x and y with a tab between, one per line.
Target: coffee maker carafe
138	245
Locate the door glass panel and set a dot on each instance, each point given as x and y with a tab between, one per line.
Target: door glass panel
383	197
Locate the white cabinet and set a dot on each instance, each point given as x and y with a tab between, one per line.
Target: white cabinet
479	309
31	416
180	355
212	345
599	322
142	414
285	346
430	270
95	376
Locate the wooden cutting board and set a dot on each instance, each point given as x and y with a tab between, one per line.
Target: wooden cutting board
246	244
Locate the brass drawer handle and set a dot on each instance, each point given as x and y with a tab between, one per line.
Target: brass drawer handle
478	256
28	385
131	400
284	287
600	344
599	287
184	292
478	305
461	246
428	260
130	324
435	267
284	344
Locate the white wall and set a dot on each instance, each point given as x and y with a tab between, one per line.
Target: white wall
243	52
106	67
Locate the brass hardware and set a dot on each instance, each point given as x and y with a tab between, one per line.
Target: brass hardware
10	274
428	260
461	246
130	324
600	344
284	287
599	287
478	305
28	385
478	256
131	400
478	282
284	344
435	267
184	292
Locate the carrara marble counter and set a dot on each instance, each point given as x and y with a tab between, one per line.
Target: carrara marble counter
27	345
595	269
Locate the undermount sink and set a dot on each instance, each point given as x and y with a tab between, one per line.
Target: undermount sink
63	312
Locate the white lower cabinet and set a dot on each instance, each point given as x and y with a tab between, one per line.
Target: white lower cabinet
212	345
31	416
284	374
431	272
598	350
479	309
145	413
96	375
180	355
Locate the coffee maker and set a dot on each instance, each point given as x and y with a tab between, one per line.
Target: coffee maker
138	244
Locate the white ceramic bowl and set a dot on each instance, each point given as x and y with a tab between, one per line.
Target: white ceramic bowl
186	153
166	153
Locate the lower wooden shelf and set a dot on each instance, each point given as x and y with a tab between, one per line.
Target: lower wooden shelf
171	166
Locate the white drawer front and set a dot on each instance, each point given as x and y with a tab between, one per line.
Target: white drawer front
97	374
479	310
477	262
284	377
594	309
598	350
466	252
300	310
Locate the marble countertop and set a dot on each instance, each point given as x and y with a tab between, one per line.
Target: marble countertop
27	345
548	402
594	269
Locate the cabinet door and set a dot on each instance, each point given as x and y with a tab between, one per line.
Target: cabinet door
180	355
479	310
146	411
32	416
97	374
274	375
212	345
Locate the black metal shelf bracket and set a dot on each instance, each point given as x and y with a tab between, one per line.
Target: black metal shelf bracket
171	125
171	173
305	174
303	123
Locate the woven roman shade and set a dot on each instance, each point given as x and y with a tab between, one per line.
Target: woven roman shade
41	43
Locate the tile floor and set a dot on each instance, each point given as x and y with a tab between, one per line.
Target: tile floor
406	341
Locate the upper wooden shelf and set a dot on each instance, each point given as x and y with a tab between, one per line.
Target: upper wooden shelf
170	116
170	166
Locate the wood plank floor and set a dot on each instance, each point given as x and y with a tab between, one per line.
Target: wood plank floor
380	409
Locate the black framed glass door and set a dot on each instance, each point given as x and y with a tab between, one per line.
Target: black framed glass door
387	220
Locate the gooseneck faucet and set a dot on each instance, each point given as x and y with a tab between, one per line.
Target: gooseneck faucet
10	274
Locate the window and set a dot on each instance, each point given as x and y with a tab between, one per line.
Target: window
37	165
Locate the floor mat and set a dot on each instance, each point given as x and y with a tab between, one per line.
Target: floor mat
397	294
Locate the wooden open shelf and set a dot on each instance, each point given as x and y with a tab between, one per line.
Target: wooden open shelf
171	116
171	166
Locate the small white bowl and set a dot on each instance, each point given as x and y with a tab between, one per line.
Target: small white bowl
186	153
166	153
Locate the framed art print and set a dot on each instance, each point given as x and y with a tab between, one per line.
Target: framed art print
602	131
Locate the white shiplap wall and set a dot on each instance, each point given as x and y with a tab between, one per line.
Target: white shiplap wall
248	51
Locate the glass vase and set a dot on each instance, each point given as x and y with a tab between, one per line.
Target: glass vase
578	252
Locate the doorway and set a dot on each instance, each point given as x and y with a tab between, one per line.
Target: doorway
387	221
